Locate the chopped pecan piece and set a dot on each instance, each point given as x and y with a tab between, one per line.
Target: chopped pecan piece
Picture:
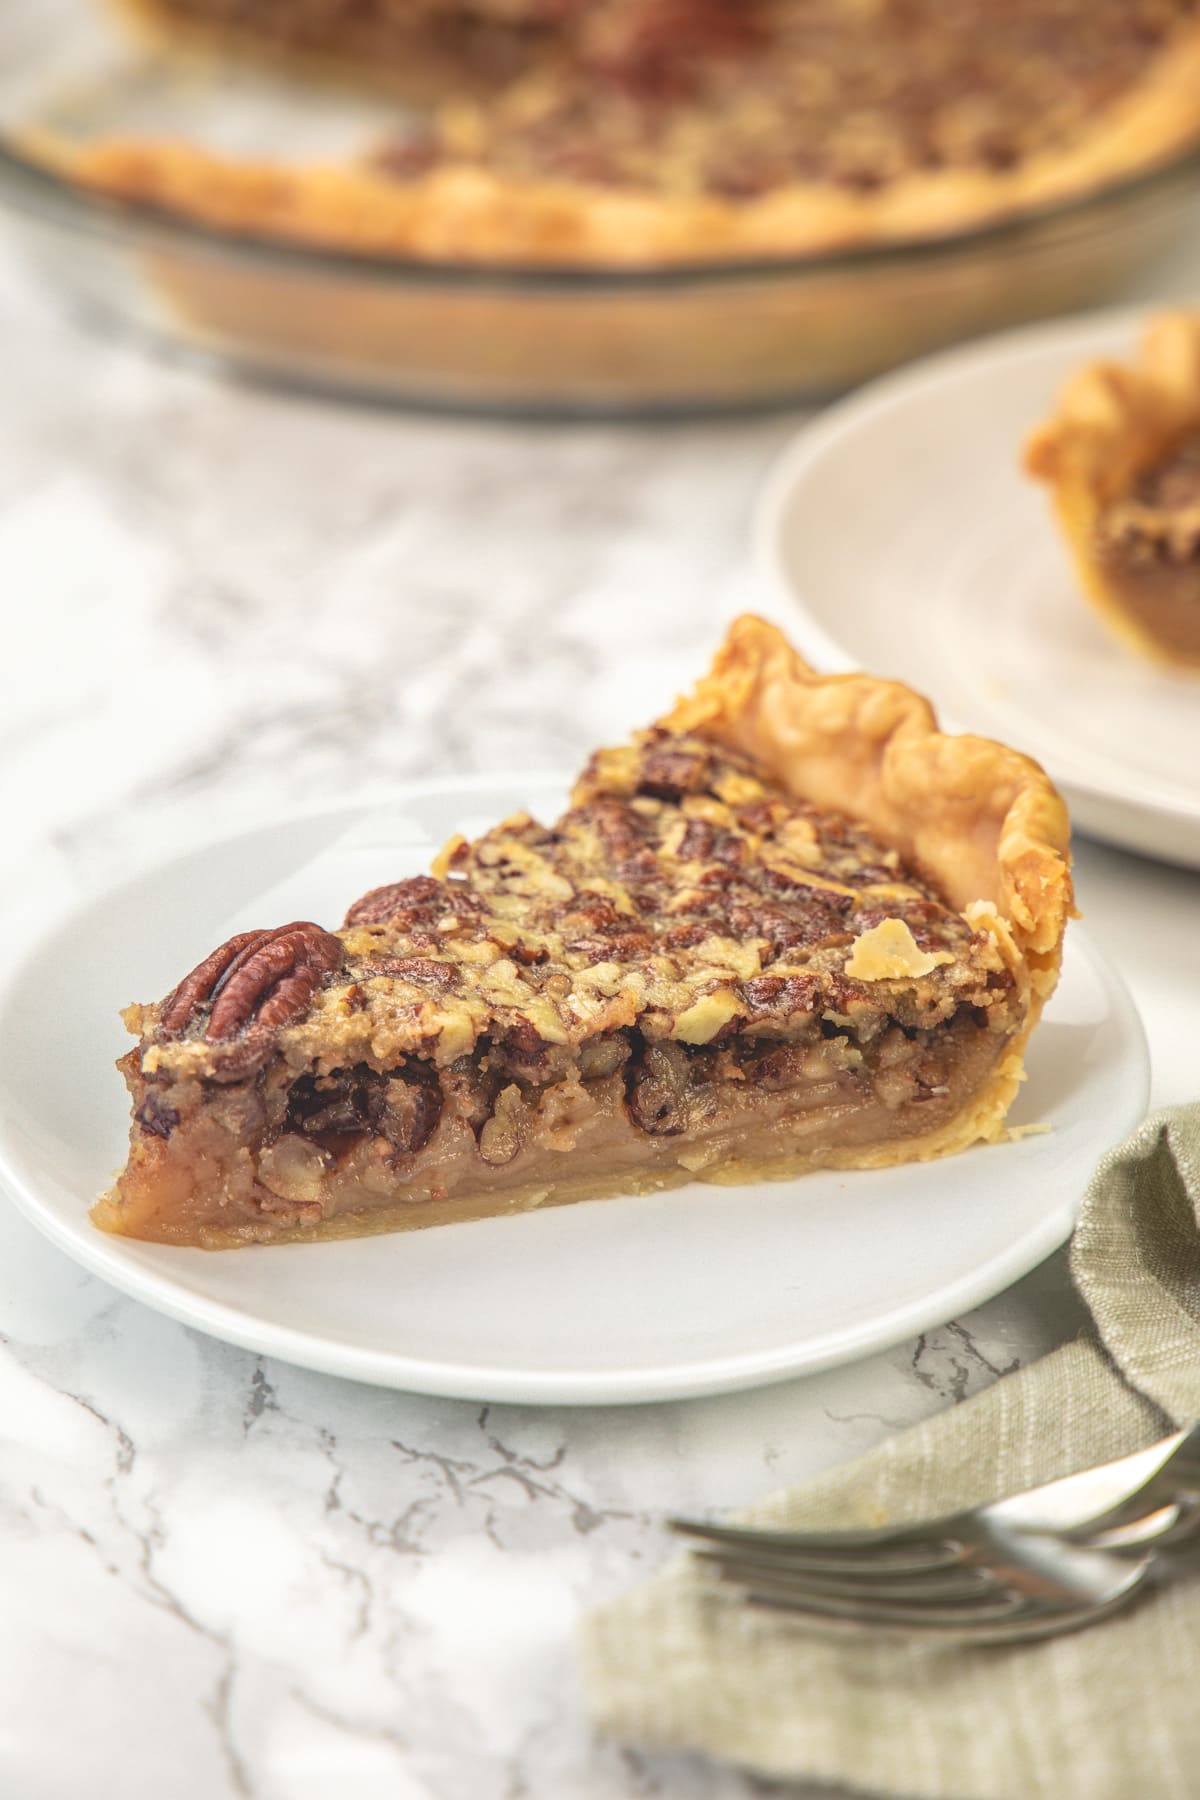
419	897
777	1067
523	1053
596	912
630	854
469	1091
403	1107
502	1134
660	1090
155	1116
682	937
760	816
414	968
696	844
782	996
409	1112
626	947
669	772
528	955
807	920
603	1056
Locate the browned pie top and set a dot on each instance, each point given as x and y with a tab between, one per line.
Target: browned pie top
739	97
1159	521
681	894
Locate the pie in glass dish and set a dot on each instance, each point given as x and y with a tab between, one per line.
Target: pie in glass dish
790	926
1121	458
648	132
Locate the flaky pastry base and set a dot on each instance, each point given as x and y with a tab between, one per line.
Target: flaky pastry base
1113	421
464	213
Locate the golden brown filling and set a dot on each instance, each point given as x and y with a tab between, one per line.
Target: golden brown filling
356	1151
1149	548
399	43
1159	522
737	100
689	970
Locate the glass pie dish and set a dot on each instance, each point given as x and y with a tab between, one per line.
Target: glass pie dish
569	341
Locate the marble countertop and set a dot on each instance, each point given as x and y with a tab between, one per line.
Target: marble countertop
224	1576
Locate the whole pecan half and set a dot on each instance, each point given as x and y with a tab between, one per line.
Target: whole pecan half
257	982
418	897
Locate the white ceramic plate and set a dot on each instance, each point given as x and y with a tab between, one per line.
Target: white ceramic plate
648	1298
901	526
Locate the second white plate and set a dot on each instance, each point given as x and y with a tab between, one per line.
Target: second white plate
648	1298
901	527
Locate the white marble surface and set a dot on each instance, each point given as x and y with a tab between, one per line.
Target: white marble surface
228	1577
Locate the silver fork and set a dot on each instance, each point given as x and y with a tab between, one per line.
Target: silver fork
1049	1560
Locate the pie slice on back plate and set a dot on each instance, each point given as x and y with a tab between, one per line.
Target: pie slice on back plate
1121	456
790	926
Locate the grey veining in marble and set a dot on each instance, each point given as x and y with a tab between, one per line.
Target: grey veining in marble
228	1577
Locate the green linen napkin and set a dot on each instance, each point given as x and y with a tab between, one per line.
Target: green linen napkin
1105	1714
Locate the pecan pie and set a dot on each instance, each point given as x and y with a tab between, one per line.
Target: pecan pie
790	926
1121	456
649	131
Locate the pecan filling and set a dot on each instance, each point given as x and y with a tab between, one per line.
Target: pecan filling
732	98
688	970
1148	545
736	100
1159	522
410	46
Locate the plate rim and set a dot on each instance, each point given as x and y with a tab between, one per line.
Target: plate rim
103	1256
814	439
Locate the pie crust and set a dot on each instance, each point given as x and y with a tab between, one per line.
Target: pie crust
791	926
485	201
1121	457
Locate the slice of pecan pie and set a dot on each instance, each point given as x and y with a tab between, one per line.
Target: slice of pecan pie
649	131
790	926
1121	456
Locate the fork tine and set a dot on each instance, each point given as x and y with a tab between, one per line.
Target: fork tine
1176	1522
820	1552
1021	1627
961	1616
866	1542
1026	1622
942	1586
